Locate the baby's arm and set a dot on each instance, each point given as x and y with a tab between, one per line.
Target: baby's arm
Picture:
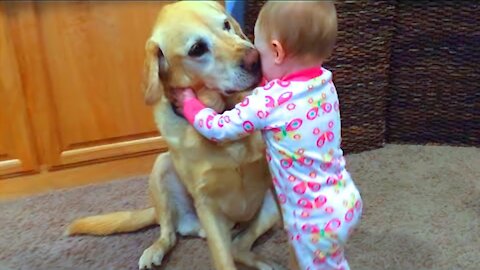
244	119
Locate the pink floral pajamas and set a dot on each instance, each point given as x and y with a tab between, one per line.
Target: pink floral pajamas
300	121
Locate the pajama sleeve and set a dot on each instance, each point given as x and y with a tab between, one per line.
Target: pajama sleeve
245	118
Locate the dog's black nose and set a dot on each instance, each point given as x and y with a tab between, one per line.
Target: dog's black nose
251	61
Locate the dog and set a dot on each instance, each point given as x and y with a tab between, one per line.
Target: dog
200	188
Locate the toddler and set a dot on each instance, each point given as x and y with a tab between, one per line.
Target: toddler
298	114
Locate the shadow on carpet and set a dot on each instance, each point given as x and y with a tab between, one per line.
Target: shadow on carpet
422	211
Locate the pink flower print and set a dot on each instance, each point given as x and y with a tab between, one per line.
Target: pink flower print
227	119
269	102
269	85
293	237
262	114
352	204
303	160
314	186
349	215
291	178
282	199
288	160
248	127
316	203
329	209
283	83
245	102
289	130
209	121
291	107
331	124
238	111
200	123
220	122
333	225
286	163
284	97
335	252
324	166
337	183
301	188
305	214
358	205
336	106
326	136
308	228
317	233
327	107
320	257
316	105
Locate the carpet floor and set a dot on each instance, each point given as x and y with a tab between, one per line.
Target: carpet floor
422	211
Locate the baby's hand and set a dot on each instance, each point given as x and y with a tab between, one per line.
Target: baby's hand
179	96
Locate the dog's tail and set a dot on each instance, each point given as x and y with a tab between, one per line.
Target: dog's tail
117	222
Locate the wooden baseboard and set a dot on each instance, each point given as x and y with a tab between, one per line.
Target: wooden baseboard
22	186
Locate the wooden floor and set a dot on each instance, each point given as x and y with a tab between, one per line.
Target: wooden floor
17	187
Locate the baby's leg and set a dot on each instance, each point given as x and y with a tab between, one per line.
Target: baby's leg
320	242
326	254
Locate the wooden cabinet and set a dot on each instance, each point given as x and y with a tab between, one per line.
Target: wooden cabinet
70	84
17	153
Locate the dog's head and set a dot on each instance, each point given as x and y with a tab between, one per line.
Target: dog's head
196	44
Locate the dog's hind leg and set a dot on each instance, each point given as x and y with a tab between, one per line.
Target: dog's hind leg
165	211
267	217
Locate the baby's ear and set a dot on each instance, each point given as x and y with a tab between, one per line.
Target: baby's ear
278	51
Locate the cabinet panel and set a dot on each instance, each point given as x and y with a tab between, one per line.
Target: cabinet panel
17	153
82	67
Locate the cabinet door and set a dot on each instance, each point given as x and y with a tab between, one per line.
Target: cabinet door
17	153
82	67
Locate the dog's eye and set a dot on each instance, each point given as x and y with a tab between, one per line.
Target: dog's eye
198	49
227	26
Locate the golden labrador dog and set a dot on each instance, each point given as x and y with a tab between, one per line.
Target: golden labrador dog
199	187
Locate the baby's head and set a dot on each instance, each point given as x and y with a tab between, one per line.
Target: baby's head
294	33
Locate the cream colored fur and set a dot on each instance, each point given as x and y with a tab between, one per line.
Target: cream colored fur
199	187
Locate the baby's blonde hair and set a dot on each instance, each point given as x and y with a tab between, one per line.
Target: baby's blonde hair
304	28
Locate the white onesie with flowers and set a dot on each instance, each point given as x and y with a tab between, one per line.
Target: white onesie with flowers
299	118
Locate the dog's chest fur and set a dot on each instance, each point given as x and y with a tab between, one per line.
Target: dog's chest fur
232	173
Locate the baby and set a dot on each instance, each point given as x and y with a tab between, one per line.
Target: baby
297	111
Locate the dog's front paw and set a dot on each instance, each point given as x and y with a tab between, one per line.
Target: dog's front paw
151	256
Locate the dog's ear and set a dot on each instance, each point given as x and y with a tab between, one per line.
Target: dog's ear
236	27
154	70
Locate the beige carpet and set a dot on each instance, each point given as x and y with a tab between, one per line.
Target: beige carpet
422	212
